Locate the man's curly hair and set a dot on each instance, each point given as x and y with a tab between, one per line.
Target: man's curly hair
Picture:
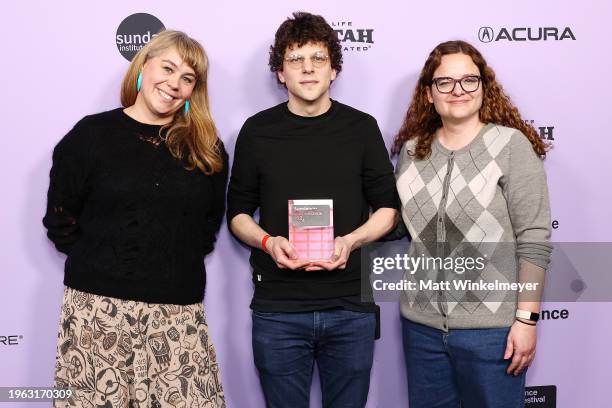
300	30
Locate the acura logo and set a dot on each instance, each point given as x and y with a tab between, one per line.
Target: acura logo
485	34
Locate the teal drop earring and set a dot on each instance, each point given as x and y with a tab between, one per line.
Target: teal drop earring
139	82
186	106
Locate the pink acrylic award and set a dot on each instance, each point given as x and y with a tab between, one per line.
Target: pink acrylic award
311	228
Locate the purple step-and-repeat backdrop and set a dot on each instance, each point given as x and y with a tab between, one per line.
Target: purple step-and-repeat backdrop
63	60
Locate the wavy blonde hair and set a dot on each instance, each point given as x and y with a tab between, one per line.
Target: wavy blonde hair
422	120
191	136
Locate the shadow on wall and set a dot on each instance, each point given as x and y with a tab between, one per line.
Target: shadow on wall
396	107
261	88
229	285
389	370
47	264
43	308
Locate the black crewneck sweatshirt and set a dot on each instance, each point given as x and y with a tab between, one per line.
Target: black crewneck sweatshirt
143	221
338	155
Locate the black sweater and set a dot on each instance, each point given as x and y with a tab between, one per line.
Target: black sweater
134	222
338	155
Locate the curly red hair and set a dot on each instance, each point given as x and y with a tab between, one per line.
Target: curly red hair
422	120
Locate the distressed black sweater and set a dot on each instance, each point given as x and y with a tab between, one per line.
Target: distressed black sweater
134	222
280	156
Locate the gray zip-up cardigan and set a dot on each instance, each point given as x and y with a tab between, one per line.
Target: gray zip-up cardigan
487	200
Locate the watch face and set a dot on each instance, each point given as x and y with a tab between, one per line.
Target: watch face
524	314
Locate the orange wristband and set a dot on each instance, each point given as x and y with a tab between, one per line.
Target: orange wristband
263	242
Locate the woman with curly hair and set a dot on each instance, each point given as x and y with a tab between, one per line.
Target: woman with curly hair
475	202
135	199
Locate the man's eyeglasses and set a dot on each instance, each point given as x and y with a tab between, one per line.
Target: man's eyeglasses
446	85
318	60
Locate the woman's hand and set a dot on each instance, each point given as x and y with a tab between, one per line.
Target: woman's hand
521	345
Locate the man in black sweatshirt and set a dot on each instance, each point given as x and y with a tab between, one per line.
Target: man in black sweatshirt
311	148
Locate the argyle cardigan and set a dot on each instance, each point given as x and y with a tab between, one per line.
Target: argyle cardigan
488	199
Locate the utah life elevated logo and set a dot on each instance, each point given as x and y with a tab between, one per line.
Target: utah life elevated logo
353	37
135	32
546	132
487	34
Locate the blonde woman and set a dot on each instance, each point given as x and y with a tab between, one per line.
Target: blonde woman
136	197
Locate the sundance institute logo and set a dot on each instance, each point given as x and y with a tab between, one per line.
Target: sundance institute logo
353	37
135	31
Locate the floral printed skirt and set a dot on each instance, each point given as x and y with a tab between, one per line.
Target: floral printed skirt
121	353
